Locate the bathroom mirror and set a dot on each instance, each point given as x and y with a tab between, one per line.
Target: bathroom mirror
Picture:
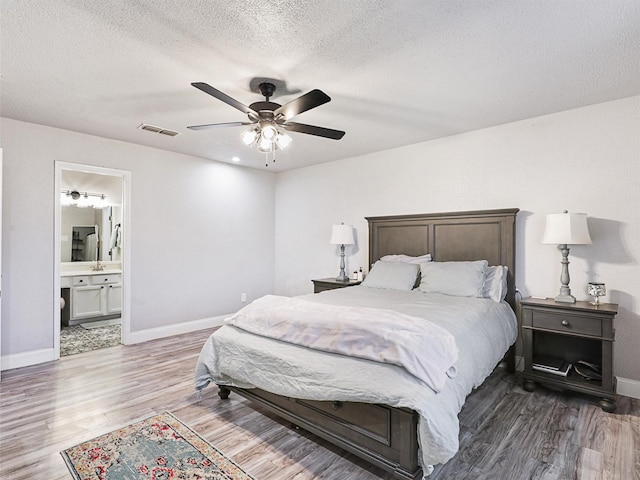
85	243
85	234
97	201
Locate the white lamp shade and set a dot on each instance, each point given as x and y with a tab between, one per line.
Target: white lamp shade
566	228
342	235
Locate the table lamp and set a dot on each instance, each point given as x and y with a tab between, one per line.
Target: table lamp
342	235
565	229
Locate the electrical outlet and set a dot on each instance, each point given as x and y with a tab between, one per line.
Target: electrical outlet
243	297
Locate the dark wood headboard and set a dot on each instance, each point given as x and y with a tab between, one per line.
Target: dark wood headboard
454	236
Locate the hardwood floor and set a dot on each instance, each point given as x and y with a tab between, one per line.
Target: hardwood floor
506	433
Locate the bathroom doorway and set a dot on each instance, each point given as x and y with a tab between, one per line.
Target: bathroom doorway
92	272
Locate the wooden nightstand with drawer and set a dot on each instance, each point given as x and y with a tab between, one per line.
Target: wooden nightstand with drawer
322	284
572	333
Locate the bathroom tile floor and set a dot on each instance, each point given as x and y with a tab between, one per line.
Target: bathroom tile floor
77	339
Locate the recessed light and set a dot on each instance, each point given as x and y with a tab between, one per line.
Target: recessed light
235	159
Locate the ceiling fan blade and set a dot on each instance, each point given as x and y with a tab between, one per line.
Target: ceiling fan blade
215	125
305	102
214	92
313	130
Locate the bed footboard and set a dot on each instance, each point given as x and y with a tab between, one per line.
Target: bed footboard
384	436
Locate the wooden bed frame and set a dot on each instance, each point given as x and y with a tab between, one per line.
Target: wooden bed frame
383	435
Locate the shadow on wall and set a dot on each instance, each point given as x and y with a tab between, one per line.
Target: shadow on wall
627	327
607	236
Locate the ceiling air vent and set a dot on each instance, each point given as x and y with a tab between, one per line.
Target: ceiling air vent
161	131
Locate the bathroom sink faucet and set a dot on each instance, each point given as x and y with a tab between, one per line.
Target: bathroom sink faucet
97	267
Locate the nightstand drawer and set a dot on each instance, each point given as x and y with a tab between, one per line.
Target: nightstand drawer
572	324
323	284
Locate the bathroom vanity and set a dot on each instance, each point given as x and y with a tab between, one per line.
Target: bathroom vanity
90	295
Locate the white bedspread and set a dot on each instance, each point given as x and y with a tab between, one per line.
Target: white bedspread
483	330
424	349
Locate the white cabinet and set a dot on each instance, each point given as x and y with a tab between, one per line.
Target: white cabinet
87	302
96	295
114	298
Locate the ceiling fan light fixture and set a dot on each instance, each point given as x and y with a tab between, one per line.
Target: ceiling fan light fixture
268	131
250	136
283	140
267	118
265	145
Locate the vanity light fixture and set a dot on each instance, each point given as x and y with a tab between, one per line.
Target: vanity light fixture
83	199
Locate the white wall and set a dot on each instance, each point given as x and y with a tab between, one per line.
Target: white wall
202	232
585	160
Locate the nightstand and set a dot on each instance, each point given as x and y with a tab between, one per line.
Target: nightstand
570	332
322	284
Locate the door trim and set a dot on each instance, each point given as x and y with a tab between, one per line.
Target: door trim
126	246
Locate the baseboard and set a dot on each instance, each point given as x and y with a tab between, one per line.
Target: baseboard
25	359
628	387
175	329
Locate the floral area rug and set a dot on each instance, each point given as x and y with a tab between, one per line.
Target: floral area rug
158	448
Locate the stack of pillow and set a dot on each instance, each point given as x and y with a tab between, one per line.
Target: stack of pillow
461	279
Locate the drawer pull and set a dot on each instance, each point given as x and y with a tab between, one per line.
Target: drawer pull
565	323
337	405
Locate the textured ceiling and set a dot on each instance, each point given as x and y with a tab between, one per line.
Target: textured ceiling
398	72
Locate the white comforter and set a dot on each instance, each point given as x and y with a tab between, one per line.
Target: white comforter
381	335
483	330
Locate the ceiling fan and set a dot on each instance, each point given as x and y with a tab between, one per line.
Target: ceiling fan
268	117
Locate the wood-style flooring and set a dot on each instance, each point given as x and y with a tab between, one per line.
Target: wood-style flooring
506	433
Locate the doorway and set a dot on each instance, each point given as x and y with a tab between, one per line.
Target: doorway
91	264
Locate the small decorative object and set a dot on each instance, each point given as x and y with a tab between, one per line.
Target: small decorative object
596	289
342	235
565	229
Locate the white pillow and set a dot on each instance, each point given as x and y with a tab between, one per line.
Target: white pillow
460	279
406	258
495	283
392	275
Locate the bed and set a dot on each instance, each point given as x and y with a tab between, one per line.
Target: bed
394	419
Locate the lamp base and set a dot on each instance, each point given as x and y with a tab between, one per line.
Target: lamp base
565	299
343	279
